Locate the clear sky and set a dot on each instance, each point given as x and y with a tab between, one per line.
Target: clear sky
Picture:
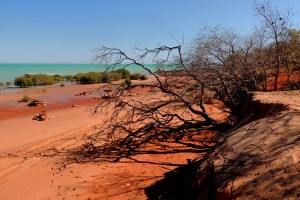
66	31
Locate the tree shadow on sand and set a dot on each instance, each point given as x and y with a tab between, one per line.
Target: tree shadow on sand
201	178
186	181
175	184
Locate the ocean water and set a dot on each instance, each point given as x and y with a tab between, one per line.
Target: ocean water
8	72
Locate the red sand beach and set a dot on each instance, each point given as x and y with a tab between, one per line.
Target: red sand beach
32	168
26	170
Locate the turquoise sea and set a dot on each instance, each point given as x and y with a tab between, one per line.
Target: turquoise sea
8	72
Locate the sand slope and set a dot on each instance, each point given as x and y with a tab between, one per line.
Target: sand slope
261	160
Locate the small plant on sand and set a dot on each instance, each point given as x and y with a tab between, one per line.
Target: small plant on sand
135	76
62	85
144	77
128	81
25	98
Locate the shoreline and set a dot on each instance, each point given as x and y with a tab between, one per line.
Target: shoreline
56	98
17	125
9	71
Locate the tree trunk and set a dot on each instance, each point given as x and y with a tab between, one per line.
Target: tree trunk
277	68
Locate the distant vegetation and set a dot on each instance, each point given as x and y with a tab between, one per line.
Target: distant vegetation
8	83
29	80
88	78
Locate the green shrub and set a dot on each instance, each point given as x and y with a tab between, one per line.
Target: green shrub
29	80
106	77
135	76
88	78
24	81
144	77
42	79
58	78
75	77
68	78
99	77
1	84
128	81
25	98
124	73
115	76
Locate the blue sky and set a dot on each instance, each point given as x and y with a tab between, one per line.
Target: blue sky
66	31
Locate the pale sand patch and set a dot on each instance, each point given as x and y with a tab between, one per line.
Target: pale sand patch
289	98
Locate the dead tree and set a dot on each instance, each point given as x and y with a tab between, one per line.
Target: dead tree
178	107
176	101
277	24
225	57
260	59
